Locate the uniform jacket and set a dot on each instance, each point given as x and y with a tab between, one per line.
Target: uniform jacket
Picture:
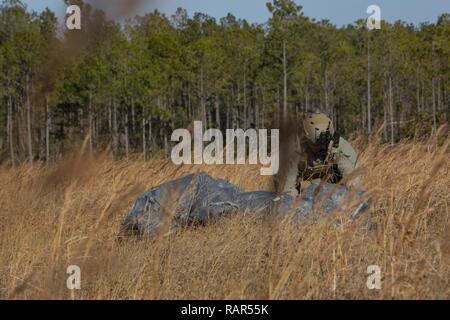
306	167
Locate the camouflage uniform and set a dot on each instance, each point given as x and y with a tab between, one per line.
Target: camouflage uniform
307	167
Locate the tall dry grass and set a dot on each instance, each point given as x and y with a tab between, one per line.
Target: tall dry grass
69	214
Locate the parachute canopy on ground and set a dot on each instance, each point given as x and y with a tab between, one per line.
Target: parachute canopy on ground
199	198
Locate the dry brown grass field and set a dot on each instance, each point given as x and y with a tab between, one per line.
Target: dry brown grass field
69	213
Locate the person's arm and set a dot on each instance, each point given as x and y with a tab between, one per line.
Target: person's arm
287	179
290	186
346	158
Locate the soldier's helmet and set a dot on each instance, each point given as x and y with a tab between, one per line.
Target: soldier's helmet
315	124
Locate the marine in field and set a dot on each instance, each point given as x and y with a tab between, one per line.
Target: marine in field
315	153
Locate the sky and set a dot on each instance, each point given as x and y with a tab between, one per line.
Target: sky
339	12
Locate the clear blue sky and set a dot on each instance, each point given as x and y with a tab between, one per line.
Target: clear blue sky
339	12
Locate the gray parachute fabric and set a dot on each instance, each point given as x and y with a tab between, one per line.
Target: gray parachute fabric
198	198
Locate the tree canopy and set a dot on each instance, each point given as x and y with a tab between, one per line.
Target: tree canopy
128	85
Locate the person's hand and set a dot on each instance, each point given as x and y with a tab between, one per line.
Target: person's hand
304	186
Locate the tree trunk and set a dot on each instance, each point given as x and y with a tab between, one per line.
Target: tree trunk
150	134
418	92
245	103
391	109
133	116
127	142
202	100
163	134
333	110
47	129
263	111
423	105
190	113
115	129
144	137
325	89
91	127
235	120
228	113
30	142
306	100
10	131
284	79
110	116
439	94
277	113
385	109
307	109
209	118
256	113
363	117
218	112
434	105
236	110
369	111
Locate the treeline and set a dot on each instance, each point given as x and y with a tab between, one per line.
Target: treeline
127	85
